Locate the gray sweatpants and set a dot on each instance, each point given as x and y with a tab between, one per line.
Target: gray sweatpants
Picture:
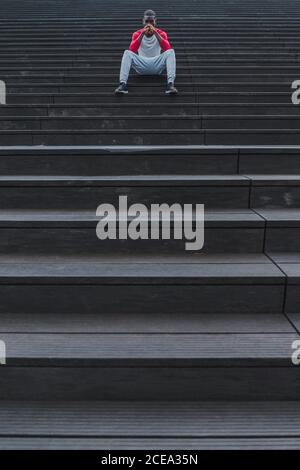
148	65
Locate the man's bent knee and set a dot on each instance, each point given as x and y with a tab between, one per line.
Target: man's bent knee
128	52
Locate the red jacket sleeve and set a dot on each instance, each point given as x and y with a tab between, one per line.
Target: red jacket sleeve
165	45
134	45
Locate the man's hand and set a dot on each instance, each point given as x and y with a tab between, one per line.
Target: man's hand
149	29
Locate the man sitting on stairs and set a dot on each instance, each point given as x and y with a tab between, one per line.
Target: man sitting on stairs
149	54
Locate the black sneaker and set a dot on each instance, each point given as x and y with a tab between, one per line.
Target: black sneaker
171	90
122	89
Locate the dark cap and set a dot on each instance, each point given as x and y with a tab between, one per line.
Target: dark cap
150	13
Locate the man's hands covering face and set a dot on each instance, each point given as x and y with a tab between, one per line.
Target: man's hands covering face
149	29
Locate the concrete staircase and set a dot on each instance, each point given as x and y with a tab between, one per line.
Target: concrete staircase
140	344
